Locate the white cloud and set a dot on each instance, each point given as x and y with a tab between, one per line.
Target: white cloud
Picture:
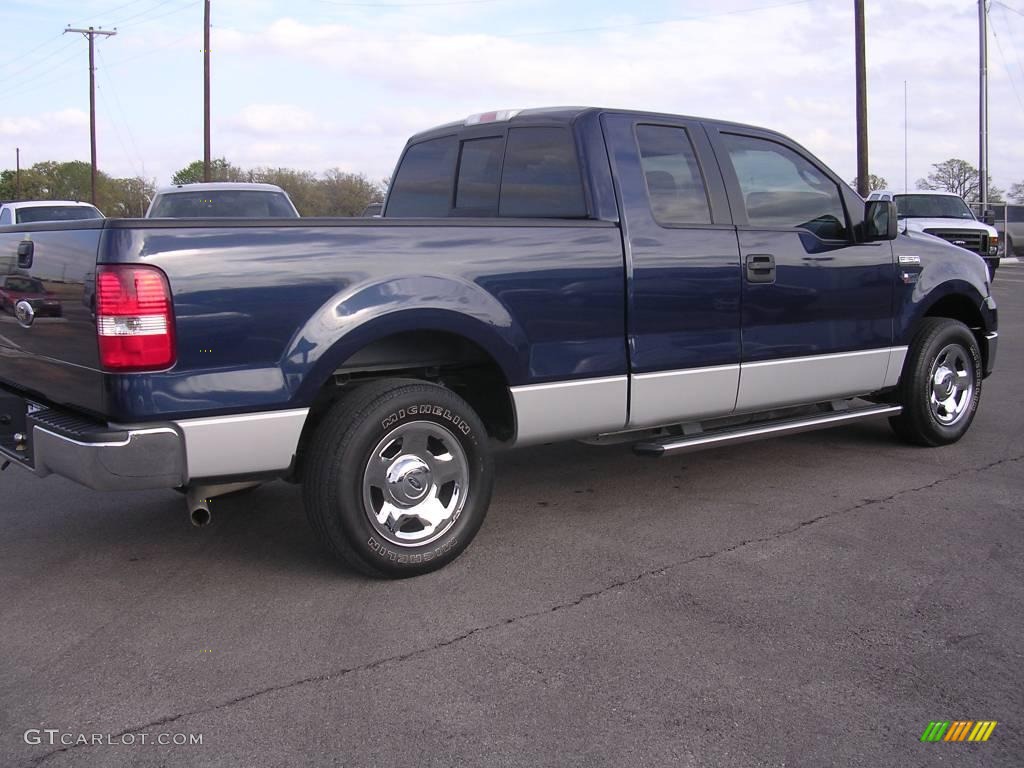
274	120
51	124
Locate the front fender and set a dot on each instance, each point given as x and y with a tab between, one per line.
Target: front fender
943	271
364	313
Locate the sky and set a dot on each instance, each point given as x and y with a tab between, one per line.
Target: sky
317	84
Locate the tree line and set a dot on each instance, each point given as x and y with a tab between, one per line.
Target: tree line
334	192
331	193
959	177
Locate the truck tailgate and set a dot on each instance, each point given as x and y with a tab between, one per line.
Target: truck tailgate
48	350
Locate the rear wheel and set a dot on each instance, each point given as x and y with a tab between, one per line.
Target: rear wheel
941	384
398	478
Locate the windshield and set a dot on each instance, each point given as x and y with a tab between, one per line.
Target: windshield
932	207
57	213
24	285
219	204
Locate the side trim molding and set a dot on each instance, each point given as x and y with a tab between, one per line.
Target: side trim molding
897	356
671	397
222	446
796	380
568	409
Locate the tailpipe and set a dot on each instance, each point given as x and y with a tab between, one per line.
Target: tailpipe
198	502
200	516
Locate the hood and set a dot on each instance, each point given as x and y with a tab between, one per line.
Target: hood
920	225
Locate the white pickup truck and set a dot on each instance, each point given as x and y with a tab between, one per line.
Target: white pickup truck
945	215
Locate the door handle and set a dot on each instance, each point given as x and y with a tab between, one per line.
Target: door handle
26	250
760	268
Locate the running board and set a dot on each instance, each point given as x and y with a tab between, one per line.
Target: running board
745	434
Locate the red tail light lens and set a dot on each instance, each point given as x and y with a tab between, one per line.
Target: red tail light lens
134	320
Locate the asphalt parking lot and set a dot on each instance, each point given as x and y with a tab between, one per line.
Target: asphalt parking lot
813	600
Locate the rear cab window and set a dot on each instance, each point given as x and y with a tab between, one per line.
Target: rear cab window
522	172
675	185
57	213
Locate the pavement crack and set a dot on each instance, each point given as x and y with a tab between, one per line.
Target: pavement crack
573	603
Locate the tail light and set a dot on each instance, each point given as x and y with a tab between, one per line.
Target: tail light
134	318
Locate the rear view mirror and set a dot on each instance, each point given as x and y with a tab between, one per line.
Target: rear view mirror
880	220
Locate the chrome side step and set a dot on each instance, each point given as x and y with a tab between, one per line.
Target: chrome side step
745	434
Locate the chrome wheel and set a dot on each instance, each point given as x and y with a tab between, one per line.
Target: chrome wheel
415	483
951	384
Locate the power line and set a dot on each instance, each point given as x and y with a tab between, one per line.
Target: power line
1009	72
129	21
35	64
1007	7
150	51
23	85
432	4
124	119
117	8
574	30
21	56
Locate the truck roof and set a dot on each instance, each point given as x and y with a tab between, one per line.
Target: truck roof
42	203
916	192
565	115
214	186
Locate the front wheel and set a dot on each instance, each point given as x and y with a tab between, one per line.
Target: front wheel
398	478
941	384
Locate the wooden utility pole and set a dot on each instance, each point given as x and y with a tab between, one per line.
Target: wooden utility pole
863	189
91	34
206	91
17	173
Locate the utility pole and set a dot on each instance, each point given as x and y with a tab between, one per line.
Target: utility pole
17	173
206	91
91	34
862	99
983	109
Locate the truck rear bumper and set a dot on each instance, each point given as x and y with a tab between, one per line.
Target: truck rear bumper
109	457
130	460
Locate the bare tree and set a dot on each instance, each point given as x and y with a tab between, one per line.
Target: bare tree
874	183
959	177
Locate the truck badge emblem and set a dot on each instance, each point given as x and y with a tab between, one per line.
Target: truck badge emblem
24	313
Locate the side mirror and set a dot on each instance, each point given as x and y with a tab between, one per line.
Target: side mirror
880	220
988	217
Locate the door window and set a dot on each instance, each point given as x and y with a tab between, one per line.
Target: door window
782	189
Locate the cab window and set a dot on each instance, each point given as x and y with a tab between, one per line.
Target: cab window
782	189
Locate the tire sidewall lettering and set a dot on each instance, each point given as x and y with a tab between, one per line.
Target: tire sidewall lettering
427	409
411	558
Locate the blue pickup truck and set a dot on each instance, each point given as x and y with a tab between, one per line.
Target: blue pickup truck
542	275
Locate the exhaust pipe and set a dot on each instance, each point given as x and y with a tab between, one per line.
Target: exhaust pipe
200	516
197	499
198	502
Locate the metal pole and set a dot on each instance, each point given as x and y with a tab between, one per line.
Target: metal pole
906	131
983	109
17	173
863	188
206	91
91	34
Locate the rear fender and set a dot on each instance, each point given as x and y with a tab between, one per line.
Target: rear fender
363	314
